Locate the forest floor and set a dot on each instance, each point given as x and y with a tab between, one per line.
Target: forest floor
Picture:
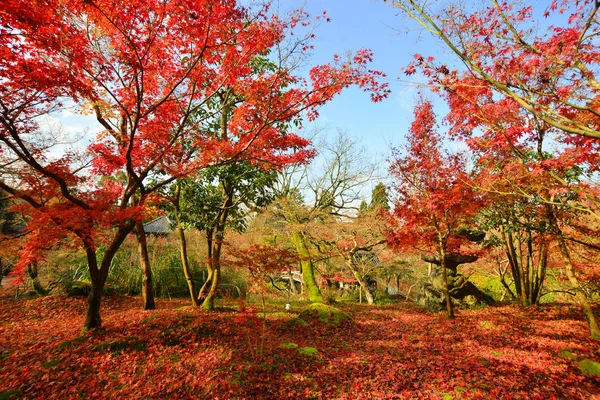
383	352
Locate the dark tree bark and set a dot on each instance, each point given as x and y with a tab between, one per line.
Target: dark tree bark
147	286
32	271
99	273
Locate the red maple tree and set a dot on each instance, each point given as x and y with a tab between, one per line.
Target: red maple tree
434	199
520	90
150	71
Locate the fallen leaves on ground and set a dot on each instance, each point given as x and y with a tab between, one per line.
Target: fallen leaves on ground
383	352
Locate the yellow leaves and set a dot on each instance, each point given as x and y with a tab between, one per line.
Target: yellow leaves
105	109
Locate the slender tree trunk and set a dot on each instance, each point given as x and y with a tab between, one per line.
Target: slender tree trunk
217	245
308	271
215	266
98	275
570	271
363	287
147	286
209	302
92	317
187	271
32	271
540	275
209	270
515	267
203	292
449	308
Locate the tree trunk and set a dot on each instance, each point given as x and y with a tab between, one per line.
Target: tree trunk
215	267
449	308
183	249
98	275
203	292
308	271
209	302
147	286
211	286
570	271
217	245
363	287
528	276
187	271
92	317
209	270
32	271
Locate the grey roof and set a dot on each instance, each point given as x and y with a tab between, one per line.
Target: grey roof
159	225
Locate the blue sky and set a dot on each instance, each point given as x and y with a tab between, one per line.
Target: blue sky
355	25
394	39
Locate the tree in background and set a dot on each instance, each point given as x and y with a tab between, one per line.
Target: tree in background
379	198
220	197
434	200
522	86
519	228
332	186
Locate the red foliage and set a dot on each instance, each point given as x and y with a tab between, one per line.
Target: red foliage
435	198
262	260
147	69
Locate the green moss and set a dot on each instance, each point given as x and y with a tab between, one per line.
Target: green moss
490	285
10	394
486	325
567	354
68	343
325	314
288	345
294	323
484	361
203	330
278	316
50	364
589	367
308	270
309	351
149	318
129	343
80	288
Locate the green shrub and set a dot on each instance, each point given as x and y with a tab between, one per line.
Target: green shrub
490	285
125	275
